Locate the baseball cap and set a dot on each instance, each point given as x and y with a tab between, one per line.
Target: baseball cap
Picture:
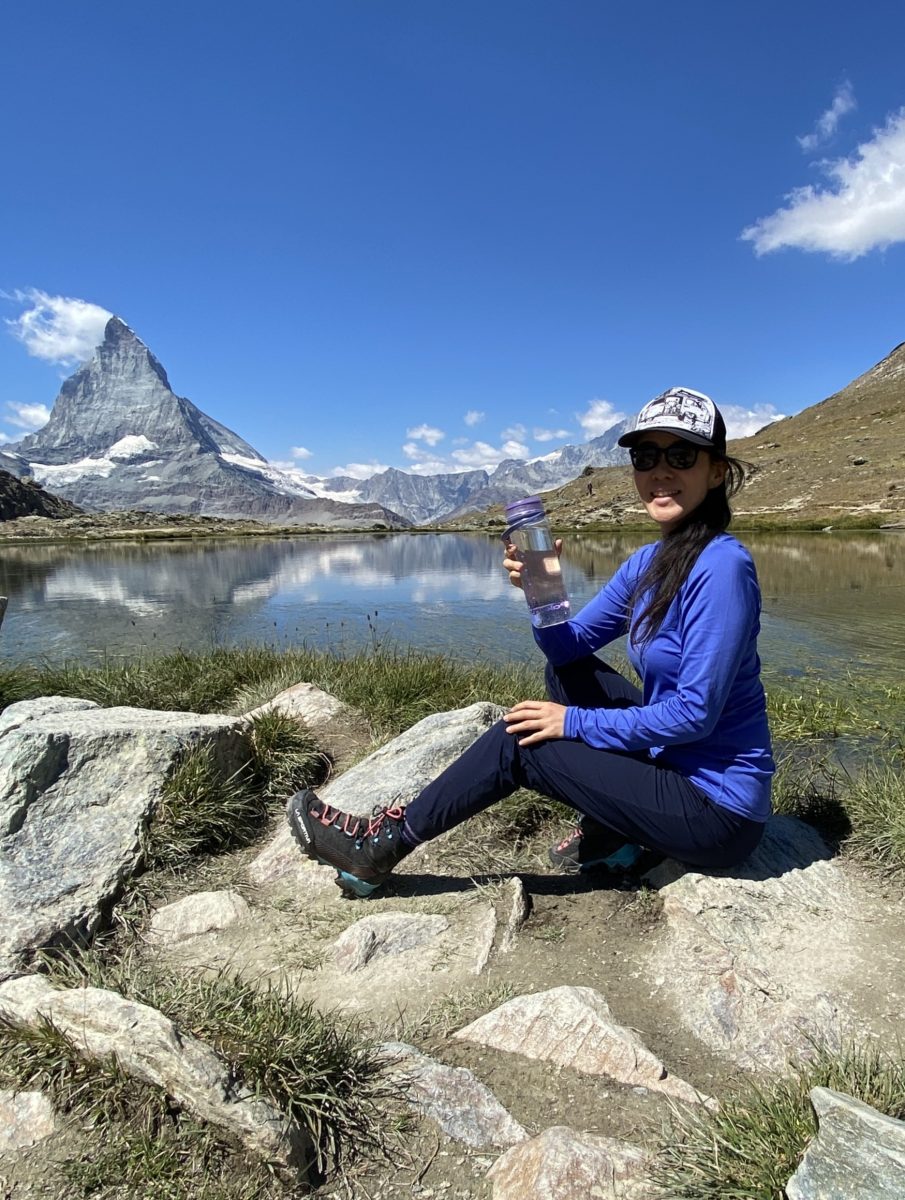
688	414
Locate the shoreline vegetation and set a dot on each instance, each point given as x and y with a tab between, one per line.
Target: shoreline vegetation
286	1050
160	527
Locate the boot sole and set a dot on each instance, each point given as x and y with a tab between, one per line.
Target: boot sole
299	826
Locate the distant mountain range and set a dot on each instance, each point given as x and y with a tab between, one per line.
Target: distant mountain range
120	438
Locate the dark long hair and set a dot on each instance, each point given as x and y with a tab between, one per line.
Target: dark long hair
679	550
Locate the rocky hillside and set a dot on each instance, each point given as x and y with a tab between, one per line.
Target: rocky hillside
842	460
120	438
26	498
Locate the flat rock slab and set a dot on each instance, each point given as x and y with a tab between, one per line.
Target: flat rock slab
77	786
749	958
383	936
202	912
25	1119
560	1164
394	774
858	1153
101	1024
453	1097
573	1027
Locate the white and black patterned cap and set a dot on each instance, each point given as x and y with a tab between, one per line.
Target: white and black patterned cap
688	414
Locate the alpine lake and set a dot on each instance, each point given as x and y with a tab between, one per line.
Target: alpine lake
833	603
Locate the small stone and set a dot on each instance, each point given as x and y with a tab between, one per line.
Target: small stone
25	1119
573	1027
519	908
384	935
857	1154
454	1097
560	1164
202	912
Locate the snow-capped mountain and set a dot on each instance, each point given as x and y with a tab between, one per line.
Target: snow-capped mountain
422	498
120	438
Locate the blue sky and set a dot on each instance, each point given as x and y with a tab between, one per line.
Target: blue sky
425	235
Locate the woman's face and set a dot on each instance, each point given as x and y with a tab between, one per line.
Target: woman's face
669	493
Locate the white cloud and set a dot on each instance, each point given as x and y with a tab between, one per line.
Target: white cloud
473	417
551	435
430	466
360	470
300	452
28	416
5	437
742	422
514	433
426	433
412	450
481	455
599	416
843	102
861	209
58	329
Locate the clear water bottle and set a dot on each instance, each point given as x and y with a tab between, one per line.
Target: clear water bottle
542	580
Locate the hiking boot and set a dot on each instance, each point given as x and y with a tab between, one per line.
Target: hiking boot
364	850
591	845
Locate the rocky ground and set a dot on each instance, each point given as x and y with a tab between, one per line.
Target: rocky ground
542	1027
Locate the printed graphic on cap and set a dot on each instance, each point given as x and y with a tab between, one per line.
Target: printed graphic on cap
680	407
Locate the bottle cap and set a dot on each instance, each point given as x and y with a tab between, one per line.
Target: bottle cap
520	512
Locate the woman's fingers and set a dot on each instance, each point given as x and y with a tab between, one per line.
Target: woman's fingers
537	720
512	565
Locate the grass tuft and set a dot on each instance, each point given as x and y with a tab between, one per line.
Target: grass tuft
320	1069
875	803
284	756
202	812
753	1144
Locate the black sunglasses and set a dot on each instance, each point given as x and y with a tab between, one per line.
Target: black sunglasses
680	455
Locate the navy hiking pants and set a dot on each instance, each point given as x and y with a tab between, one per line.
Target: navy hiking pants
648	804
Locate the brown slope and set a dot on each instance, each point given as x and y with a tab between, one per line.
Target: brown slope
842	459
843	455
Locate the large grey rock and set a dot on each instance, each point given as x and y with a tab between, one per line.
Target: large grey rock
573	1027
561	1164
25	1119
858	1153
749	957
77	786
460	1104
147	1045
394	774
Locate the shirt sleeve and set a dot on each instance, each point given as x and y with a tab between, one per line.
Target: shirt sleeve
600	622
718	607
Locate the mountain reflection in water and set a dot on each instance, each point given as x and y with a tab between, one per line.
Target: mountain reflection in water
831	601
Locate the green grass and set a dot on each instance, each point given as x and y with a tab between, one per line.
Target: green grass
875	805
203	812
753	1144
320	1069
394	688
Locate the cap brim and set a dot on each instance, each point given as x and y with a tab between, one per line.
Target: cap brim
637	435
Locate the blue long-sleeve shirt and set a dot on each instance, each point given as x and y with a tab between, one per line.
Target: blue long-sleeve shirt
704	710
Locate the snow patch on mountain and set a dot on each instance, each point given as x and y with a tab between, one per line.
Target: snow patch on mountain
131	446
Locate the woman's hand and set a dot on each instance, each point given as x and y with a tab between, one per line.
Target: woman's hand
539	720
514	565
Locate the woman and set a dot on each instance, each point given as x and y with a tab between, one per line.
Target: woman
682	767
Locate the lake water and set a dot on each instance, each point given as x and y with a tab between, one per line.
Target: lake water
831	601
